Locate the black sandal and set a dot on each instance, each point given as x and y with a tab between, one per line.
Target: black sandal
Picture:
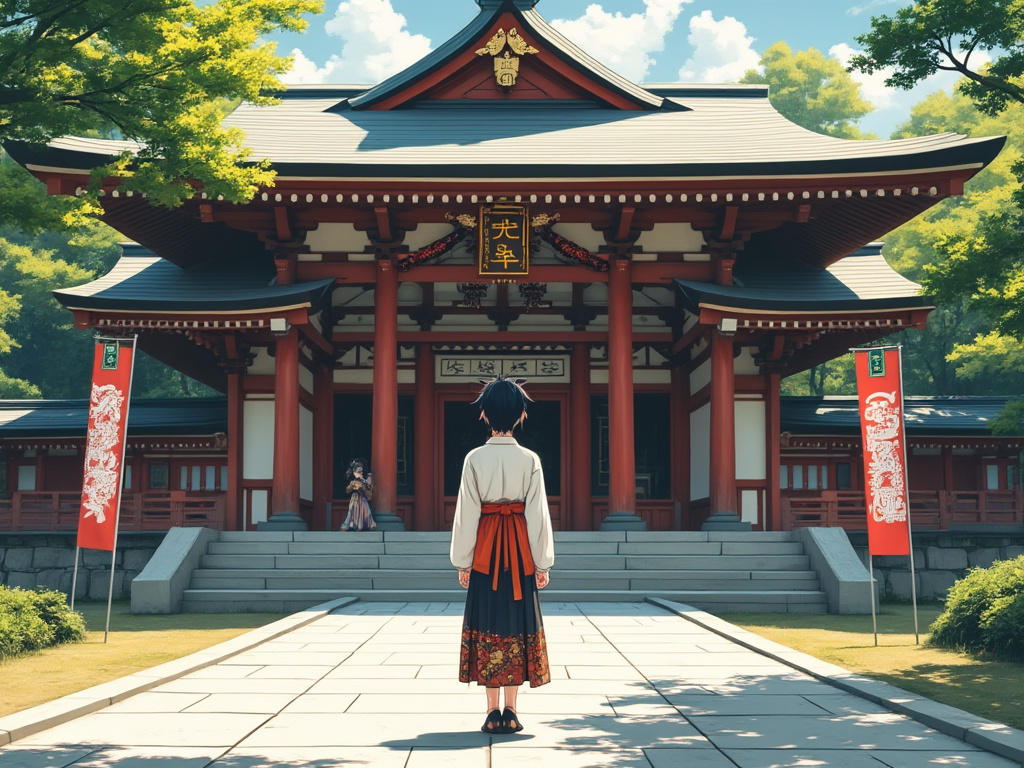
510	722
493	723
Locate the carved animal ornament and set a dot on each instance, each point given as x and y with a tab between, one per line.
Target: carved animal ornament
506	48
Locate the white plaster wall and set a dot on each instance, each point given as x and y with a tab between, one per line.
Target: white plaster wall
671	237
751	446
306	378
336	237
744	364
701	377
365	376
700	452
262	364
582	234
305	453
258	440
748	506
260	506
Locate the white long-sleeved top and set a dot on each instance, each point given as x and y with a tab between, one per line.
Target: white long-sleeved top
502	470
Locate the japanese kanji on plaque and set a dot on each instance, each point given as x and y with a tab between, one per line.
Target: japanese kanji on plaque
504	241
880	399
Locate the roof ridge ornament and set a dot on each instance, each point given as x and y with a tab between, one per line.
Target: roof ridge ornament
523	5
506	68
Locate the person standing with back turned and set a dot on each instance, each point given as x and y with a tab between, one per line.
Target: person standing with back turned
503	546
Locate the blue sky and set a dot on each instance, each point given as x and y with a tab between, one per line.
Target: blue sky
364	41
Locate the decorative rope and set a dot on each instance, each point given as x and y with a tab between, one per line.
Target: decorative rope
464	226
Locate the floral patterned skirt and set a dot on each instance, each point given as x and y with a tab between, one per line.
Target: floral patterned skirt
503	638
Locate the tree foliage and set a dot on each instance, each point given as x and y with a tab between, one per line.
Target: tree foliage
812	90
159	74
952	35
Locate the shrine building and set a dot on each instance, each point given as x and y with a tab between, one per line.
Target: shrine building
652	259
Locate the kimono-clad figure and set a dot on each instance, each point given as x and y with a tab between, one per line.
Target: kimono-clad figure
503	546
360	488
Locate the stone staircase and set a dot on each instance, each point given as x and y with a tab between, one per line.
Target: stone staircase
715	571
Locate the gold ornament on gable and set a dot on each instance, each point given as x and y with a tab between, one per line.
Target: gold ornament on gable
506	50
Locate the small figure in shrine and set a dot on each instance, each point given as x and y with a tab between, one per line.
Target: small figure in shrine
360	488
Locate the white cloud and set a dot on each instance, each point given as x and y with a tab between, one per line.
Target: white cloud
892	105
623	43
377	44
722	50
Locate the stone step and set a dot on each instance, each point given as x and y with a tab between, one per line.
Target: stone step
560	536
564	563
389	547
637	581
242	601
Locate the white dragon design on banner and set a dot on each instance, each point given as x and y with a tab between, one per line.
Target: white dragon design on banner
885	458
102	464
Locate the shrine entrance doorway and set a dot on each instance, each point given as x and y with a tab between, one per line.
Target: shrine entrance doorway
544	433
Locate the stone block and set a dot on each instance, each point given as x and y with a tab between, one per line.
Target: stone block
21	580
1011	552
99	584
49	579
3	551
935	584
18	559
53	557
81	588
97	558
983	558
946	559
898	584
136	559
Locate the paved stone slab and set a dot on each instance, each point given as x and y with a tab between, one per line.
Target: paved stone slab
151	730
314	757
633	685
690	705
317	730
18	756
889	731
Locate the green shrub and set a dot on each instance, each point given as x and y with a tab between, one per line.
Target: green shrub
985	611
34	619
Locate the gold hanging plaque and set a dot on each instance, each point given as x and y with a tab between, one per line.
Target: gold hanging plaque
504	241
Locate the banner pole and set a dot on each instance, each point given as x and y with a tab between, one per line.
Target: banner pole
906	476
871	583
120	489
74	577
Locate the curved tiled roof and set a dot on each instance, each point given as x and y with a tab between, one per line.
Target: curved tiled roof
726	133
143	282
157	416
861	281
839	415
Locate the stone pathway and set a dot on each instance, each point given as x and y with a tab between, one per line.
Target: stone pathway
373	684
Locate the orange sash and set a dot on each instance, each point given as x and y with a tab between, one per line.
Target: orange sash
502	529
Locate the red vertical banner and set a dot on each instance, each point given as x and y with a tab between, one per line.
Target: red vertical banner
880	400
105	443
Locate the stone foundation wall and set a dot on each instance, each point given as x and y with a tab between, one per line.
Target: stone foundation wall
47	560
940	558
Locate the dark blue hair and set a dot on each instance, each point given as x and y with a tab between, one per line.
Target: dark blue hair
504	401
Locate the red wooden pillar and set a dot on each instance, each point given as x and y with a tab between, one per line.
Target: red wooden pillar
233	503
773	515
384	440
284	499
41	454
679	415
323	447
722	494
423	517
579	436
622	472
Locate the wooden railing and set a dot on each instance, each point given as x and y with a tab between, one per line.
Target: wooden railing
153	511
929	510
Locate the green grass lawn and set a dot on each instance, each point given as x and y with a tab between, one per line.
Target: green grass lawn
135	643
991	689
